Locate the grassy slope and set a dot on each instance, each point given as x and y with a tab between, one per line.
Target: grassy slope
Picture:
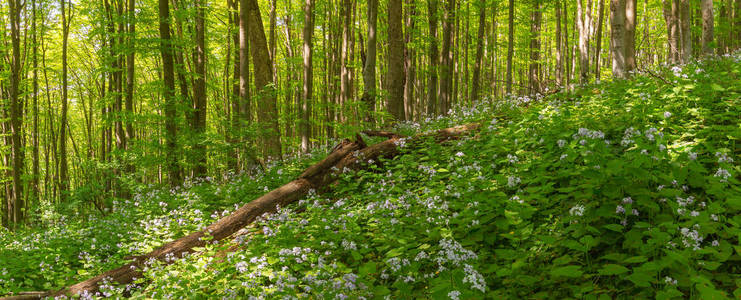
623	189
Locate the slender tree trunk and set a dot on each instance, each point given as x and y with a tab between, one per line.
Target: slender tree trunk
707	27
598	43
244	63
168	77
479	51
446	64
35	170
684	17
272	43
306	105
396	75
409	62
130	70
559	50
369	69
510	45
434	58
199	90
63	177
617	37
583	28
566	49
237	116
345	83
267	113
534	68
630	36
16	111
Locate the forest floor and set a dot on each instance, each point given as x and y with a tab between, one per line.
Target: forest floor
622	189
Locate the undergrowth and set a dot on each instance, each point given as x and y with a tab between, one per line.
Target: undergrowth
619	190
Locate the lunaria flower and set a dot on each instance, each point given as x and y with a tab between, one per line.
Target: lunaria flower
577	210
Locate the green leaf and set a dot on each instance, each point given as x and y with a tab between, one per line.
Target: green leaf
613	269
635	259
367	268
640	279
716	87
567	271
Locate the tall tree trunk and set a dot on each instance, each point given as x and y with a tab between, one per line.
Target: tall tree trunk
671	16
598	43
630	36
559	49
583	28
63	176
306	104
35	170
434	58
684	20
446	64
272	43
479	51
236	115
510	45
244	64
707	27
267	113
345	83
168	77
16	110
130	70
409	62
199	90
396	61
369	69
566	49
617	37
534	68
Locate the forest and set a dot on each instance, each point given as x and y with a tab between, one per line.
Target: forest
345	149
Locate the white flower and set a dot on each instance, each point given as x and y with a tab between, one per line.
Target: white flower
715	243
692	155
577	210
619	209
459	154
561	143
627	200
635	212
671	281
723	173
454	295
667	115
512	181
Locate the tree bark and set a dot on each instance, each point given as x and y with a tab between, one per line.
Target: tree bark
345	83
707	27
598	43
244	63
534	68
396	74
559	50
510	45
409	62
446	64
267	113
684	20
583	28
168	77
130	69
199	91
63	176
17	208
630	36
617	37
479	51
434	58
305	125
369	69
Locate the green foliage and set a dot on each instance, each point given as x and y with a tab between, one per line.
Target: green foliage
621	190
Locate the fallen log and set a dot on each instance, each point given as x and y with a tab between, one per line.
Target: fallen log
347	155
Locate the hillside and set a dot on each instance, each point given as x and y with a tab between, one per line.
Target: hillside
622	189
